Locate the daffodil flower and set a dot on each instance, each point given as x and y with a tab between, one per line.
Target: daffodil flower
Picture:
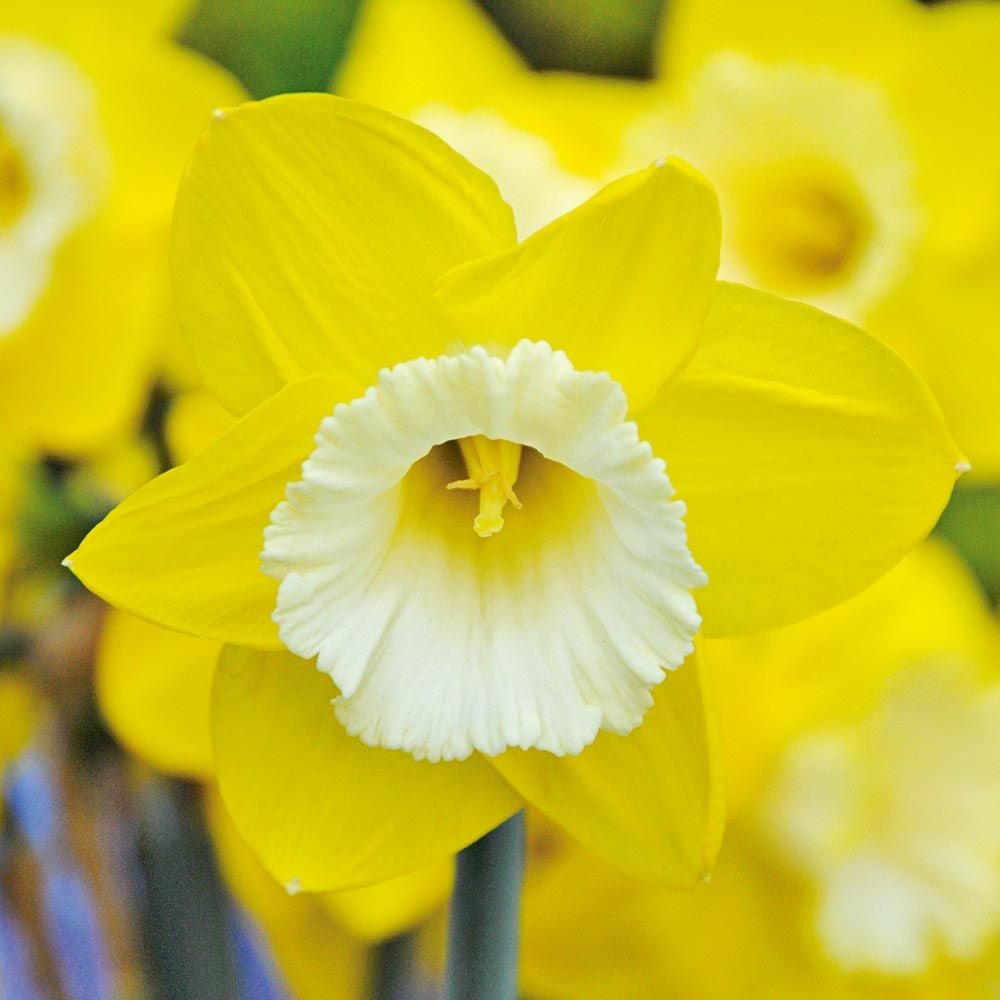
353	287
862	856
852	149
97	115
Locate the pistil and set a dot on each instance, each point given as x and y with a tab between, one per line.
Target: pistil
493	467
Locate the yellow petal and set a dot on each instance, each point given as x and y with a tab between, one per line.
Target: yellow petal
161	17
385	909
943	321
371	913
20	708
154	690
73	378
651	801
405	54
321	809
583	117
869	36
184	550
953	128
195	419
319	959
621	283
309	231
157	100
589	934
810	458
13	482
152	18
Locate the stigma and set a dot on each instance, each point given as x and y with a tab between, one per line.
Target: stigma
493	467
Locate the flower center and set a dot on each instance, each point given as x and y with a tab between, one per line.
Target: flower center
897	821
444	641
802	227
15	182
53	168
493	467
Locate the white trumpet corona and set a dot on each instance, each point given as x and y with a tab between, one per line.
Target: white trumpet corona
483	554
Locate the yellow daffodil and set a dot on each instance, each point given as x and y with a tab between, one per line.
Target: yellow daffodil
863	852
852	148
354	288
98	112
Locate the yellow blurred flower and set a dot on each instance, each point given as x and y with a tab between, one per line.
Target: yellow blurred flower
863	851
98	113
319	242
19	709
853	148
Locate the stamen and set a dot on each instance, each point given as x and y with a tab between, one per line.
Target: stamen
493	467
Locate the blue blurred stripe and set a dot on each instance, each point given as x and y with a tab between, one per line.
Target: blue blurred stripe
259	978
17	980
70	913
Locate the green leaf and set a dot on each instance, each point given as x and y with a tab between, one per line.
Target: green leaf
273	46
971	523
588	36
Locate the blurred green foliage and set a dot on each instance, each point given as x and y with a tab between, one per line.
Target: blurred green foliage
273	46
972	524
55	515
613	37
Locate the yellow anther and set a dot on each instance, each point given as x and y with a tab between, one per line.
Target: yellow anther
493	467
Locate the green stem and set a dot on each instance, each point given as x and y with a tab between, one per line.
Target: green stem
392	969
485	916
